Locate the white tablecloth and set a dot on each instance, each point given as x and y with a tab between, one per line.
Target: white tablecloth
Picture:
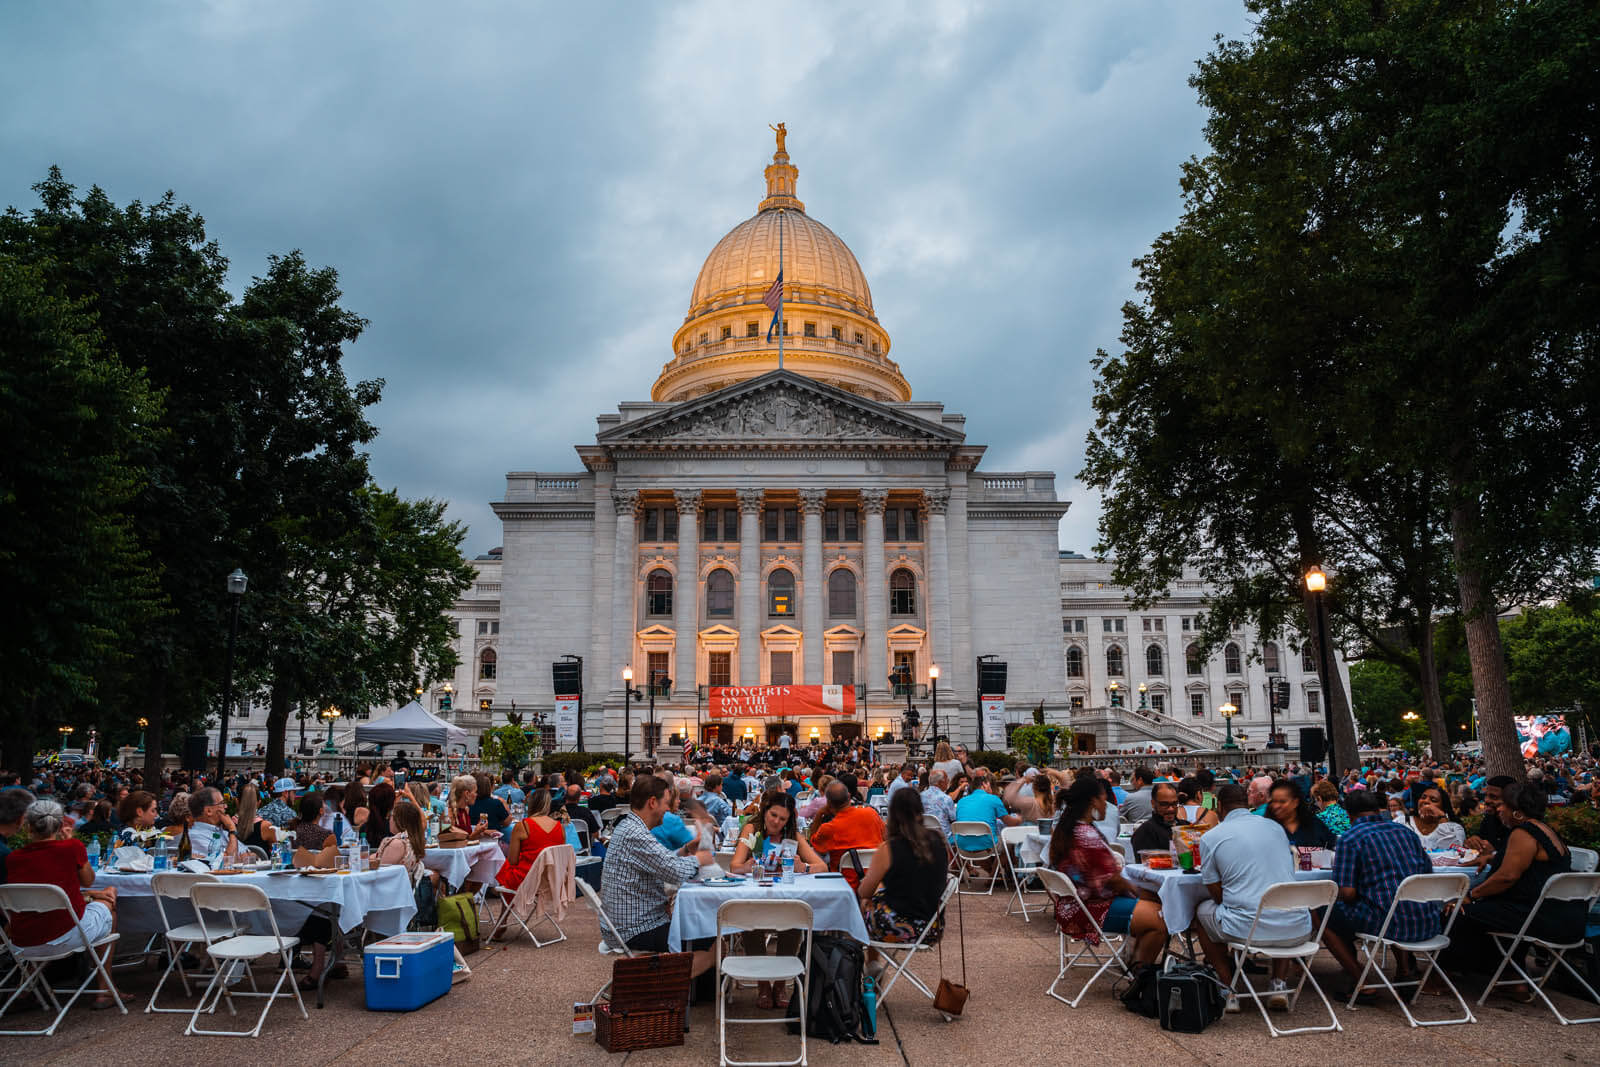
382	899
1182	893
833	906
478	863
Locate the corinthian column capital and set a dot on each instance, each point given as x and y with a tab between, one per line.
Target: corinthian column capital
873	501
626	501
750	500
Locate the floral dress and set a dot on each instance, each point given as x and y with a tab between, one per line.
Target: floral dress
1091	867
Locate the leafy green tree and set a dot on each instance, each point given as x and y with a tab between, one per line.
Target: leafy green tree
73	421
1382	693
1554	654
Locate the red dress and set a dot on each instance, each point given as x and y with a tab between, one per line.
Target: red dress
512	874
1091	866
49	863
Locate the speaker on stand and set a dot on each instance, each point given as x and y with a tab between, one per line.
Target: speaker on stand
1313	748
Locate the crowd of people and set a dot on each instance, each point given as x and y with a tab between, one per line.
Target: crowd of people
824	808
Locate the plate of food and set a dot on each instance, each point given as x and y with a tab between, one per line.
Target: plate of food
726	879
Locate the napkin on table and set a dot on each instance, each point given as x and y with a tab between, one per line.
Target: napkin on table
132	858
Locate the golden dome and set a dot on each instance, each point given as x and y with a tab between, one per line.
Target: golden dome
833	334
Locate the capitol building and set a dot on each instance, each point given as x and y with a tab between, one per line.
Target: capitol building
783	510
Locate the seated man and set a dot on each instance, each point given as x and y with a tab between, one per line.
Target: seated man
671	830
1374	856
842	826
717	805
1241	857
213	835
1156	833
936	801
981	805
637	871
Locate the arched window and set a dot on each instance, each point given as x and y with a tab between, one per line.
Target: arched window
1153	664
1269	656
1114	661
842	594
780	594
658	593
902	593
1192	660
1232	662
486	664
1074	662
719	593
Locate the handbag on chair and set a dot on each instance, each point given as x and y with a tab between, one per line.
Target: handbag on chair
951	997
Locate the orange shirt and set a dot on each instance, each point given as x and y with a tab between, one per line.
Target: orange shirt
857	826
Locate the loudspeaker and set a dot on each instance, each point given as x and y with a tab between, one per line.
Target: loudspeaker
992	678
567	677
194	752
1312	749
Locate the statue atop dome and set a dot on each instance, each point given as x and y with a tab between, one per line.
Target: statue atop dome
783	135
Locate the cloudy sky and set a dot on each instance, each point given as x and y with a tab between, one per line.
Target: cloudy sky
519	196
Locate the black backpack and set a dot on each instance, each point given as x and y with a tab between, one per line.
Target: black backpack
834	1009
1138	991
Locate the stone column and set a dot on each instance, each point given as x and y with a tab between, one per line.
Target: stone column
624	583
876	587
750	586
935	503
686	597
811	611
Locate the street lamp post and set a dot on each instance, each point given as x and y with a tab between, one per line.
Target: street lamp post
236	584
933	689
1316	582
329	715
629	695
1142	688
143	725
1116	695
1228	711
65	732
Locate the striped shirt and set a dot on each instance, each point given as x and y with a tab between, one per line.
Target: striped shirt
1374	856
635	876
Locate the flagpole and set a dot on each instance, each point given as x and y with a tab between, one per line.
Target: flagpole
783	325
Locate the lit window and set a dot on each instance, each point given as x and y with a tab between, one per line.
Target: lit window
780	593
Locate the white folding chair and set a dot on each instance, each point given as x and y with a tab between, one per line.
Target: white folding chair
1584	860
1570	886
1059	887
583	837
932	823
734	916
26	898
1434	890
1011	840
1119	849
1288	896
232	953
180	938
967	858
522	904
611	942
899	955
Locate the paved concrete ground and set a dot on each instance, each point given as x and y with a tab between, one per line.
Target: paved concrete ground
516	1009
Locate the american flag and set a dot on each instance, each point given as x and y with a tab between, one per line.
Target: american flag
774	300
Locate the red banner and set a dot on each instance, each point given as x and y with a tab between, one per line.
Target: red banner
780	701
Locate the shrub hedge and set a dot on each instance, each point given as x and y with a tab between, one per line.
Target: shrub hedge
585	762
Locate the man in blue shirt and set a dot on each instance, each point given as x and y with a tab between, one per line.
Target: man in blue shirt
981	805
508	792
671	831
717	805
733	787
1374	856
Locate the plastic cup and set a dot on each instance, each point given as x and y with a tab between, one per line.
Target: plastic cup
1186	860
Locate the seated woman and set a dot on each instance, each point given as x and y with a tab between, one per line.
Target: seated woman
530	837
487	808
253	829
1192	810
138	814
1534	854
1289	808
53	856
407	845
375	828
317	930
463	794
763	843
900	891
1078	851
1434	821
879	786
1325	795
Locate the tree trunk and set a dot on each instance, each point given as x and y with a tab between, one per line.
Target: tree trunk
1488	657
1432	700
155	733
277	723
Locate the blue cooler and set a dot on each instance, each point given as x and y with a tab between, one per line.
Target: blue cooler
406	971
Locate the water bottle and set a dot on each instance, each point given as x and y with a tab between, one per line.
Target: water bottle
94	855
789	848
433	829
353	852
285	856
159	863
869	1003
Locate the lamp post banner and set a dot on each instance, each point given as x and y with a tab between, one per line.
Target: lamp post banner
566	720
779	701
994	721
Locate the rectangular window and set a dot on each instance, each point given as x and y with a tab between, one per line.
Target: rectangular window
782	665
830	524
494	627
727	332
658	673
669	524
844	668
811	329
705	338
838	334
1113	626
908	524
752	329
1158	703
852	524
1185	624
1154	626
1197	704
483	627
719	668
860	339
841	524
1077	703
1079	625
905	672
658	525
730	524
891	524
769	525
781	524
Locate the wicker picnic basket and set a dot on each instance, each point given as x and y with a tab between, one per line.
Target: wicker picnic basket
648	997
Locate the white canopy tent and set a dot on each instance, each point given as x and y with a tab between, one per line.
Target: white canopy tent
410	725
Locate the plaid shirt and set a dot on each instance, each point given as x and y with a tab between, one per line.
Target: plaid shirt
1375	855
635	875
